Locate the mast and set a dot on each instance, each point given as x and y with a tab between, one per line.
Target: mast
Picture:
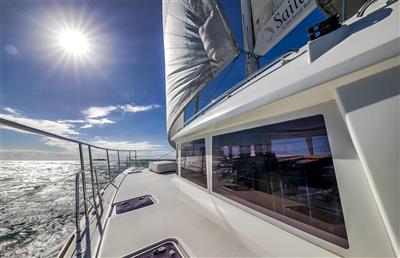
248	37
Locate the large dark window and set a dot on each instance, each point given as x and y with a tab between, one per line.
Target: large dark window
193	162
285	171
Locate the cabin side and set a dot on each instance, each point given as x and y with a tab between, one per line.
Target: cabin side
314	153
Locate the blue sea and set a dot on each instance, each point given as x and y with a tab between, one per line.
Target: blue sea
37	203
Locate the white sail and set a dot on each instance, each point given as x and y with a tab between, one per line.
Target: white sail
261	12
198	44
273	20
255	13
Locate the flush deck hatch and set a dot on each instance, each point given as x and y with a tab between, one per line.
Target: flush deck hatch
168	248
133	204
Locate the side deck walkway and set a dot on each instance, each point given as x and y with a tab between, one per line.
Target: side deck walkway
203	224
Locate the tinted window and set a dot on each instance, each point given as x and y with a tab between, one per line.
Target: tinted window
193	162
285	171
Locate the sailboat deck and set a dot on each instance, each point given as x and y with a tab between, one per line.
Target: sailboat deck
203	224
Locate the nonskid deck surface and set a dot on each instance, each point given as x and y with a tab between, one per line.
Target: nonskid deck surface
204	225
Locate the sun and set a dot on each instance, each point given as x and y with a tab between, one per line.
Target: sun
73	42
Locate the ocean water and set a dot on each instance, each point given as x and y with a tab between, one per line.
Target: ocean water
39	221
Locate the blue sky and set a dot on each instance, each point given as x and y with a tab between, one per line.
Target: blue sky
235	72
116	96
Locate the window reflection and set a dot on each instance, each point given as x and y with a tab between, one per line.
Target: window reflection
193	162
284	170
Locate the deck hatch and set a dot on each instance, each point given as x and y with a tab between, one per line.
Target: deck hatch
133	204
168	248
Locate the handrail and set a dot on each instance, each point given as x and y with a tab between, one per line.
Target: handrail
79	178
26	128
239	85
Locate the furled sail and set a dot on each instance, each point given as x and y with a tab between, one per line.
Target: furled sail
198	44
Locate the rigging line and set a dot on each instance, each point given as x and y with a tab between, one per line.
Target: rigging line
222	80
249	53
36	189
263	56
272	58
254	55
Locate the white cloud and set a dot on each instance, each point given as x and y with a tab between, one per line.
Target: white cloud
66	150
93	116
63	129
11	49
134	109
86	126
101	121
126	145
69	151
96	116
63	145
12	111
20	154
73	121
89	123
145	149
96	112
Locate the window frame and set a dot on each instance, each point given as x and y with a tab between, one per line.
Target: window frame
207	188
271	121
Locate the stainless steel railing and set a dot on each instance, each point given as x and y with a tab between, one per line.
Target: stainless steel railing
80	177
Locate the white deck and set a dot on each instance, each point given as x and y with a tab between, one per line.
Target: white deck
204	225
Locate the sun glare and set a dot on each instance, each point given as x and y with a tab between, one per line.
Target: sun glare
73	42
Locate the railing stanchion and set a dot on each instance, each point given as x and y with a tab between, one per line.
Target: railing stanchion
108	165
129	158
92	177
77	222
83	180
119	163
97	185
